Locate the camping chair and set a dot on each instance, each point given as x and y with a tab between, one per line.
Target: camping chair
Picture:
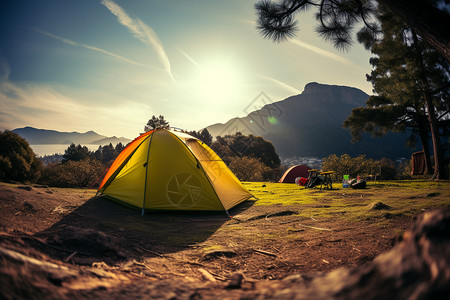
323	179
313	178
326	182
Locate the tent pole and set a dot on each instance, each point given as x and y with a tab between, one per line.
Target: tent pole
146	171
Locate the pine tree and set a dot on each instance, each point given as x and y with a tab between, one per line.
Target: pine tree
336	19
156	123
412	83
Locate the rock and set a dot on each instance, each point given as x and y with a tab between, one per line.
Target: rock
25	187
219	253
378	206
27	206
235	281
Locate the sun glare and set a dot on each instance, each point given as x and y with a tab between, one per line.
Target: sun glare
219	82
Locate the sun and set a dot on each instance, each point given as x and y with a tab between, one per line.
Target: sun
218	82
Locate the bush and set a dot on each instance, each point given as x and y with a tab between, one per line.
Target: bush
404	170
17	160
83	173
346	165
388	169
359	166
249	168
240	145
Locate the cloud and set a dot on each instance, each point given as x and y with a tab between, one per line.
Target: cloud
189	58
73	43
4	69
124	19
249	22
157	45
42	106
286	86
323	53
141	31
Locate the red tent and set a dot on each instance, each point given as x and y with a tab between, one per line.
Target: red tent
294	172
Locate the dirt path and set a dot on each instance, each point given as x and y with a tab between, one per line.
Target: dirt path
95	247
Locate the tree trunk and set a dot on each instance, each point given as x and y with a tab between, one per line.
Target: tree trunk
431	23
423	134
435	137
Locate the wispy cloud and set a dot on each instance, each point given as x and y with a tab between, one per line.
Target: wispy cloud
322	52
4	69
286	86
141	31
249	22
189	58
73	43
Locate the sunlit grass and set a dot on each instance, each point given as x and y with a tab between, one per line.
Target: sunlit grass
404	198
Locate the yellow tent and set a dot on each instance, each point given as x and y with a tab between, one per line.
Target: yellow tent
170	170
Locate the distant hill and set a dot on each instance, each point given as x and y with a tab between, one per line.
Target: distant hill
310	124
36	136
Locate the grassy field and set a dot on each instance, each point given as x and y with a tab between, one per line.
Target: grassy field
287	230
401	197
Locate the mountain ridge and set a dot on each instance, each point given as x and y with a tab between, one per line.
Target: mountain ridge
35	136
310	125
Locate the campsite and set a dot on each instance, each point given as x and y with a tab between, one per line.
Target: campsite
251	150
75	245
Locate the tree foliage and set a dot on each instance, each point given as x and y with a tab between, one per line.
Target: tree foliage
202	135
80	173
412	84
76	153
249	168
108	153
156	123
336	19
17	160
252	146
359	166
80	167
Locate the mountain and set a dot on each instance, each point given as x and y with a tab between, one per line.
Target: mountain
310	124
36	136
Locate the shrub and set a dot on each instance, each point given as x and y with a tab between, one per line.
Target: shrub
346	165
360	166
79	174
246	145
249	168
17	160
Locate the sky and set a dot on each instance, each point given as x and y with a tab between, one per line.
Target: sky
109	65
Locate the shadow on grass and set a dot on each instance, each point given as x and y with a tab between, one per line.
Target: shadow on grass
102	230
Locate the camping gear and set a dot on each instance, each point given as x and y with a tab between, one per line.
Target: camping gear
171	170
418	163
345	181
358	184
327	182
317	177
294	172
301	181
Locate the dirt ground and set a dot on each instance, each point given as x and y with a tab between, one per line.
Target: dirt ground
66	243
